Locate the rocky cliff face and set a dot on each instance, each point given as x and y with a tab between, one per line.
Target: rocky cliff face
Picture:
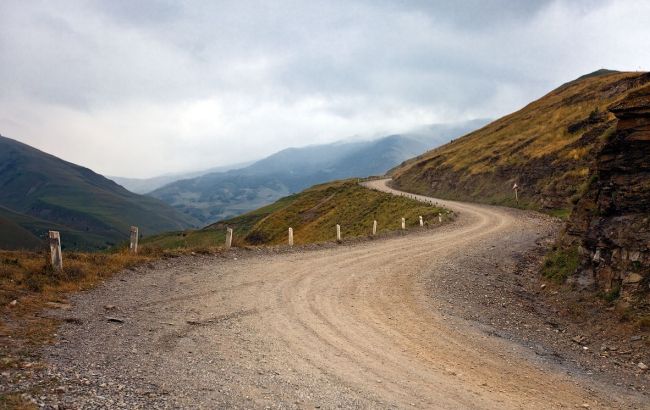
610	224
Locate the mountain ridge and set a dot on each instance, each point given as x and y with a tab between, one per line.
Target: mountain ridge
145	185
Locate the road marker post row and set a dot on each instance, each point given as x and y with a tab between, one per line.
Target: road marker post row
56	255
229	231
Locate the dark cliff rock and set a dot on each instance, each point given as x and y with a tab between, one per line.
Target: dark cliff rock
611	222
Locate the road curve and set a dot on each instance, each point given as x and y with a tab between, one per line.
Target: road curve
344	326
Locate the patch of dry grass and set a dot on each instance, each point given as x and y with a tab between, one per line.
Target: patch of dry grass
28	284
15	401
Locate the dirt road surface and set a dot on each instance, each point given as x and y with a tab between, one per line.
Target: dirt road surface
350	326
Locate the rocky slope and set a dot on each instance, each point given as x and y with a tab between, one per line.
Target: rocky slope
546	148
610	225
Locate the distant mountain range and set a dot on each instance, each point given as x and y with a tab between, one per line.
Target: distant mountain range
145	185
40	192
220	195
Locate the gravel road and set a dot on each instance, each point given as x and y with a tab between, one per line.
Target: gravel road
350	326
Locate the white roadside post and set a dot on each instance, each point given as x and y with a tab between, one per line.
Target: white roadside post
515	187
374	227
421	221
56	256
228	238
403	223
338	233
440	218
133	246
290	236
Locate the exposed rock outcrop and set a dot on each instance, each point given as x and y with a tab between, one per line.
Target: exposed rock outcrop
611	222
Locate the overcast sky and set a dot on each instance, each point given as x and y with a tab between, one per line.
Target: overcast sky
140	88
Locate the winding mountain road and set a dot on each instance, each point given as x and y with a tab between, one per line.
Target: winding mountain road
342	326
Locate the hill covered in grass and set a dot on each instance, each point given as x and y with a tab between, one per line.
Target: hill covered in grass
546	148
40	192
313	215
13	234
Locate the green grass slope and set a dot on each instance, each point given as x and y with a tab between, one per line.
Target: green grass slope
313	215
53	192
13	235
38	229
546	148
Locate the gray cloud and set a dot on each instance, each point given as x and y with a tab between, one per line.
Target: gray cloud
183	85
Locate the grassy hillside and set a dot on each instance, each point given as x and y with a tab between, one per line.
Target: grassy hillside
13	235
546	148
37	230
44	192
313	215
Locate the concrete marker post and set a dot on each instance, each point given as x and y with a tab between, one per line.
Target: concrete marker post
228	238
403	223
56	256
515	187
374	227
421	221
133	246
338	233
290	236
440	218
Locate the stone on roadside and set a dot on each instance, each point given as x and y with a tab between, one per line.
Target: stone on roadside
633	278
581	340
